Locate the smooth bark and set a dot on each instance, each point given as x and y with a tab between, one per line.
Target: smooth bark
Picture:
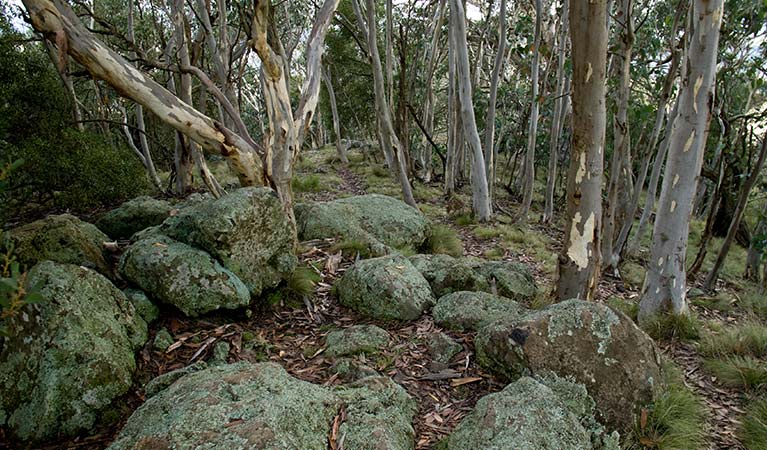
529	173
490	117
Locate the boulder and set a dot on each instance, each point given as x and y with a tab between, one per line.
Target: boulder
162	340
387	287
446	274
133	216
442	347
531	415
381	223
185	277
260	406
68	357
356	339
602	349
144	307
471	310
64	239
246	230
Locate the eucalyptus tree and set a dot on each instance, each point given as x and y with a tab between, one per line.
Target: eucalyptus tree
579	261
529	172
665	283
491	105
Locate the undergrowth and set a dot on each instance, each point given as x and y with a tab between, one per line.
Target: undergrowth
739	371
443	240
753	430
667	327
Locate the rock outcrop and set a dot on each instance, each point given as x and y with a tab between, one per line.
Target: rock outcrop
133	216
465	310
69	356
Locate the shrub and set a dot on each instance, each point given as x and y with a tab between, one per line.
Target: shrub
15	292
443	240
753	430
676	420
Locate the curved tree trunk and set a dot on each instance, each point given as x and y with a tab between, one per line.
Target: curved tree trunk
579	262
665	287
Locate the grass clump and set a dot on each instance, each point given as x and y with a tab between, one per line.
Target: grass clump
444	240
739	371
749	339
380	172
628	308
487	232
495	253
352	247
753	430
667	327
302	281
463	219
309	183
676	420
755	302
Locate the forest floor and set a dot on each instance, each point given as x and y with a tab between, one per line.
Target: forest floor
292	333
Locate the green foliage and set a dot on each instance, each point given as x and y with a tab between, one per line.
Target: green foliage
351	247
675	421
755	302
380	172
15	292
745	340
627	307
464	220
309	183
444	240
739	371
668	327
753	430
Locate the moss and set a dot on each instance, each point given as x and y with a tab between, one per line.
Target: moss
356	339
633	274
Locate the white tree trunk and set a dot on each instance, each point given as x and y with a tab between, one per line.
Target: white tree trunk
529	173
490	118
665	283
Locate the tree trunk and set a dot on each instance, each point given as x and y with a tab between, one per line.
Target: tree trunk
480	196
756	248
383	110
490	118
557	121
665	282
529	174
579	262
708	284
428	112
620	168
182	158
336	123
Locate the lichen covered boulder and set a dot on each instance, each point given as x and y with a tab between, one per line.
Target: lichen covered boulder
64	239
180	275
533	415
446	274
134	215
260	406
379	415
604	350
470	310
442	347
387	287
144	307
381	223
69	356
246	230
356	339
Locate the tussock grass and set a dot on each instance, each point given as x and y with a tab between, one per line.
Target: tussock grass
749	339
380	172
443	240
309	183
464	220
666	327
483	232
676	420
754	301
302	282
628	308
739	371
352	247
753	430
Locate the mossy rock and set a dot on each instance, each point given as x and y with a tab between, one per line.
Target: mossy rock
356	339
380	222
247	231
531	415
600	348
244	406
446	274
64	239
442	347
387	287
69	356
144	307
471	310
133	216
185	277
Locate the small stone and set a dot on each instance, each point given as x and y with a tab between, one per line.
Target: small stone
471	310
442	347
161	382
133	216
351	369
162	340
144	307
356	339
220	353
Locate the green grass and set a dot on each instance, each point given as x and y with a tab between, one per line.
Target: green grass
754	301
749	339
667	327
351	247
483	232
739	371
380	172
628	308
443	240
753	430
309	183
675	421
464	219
495	253
302	282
